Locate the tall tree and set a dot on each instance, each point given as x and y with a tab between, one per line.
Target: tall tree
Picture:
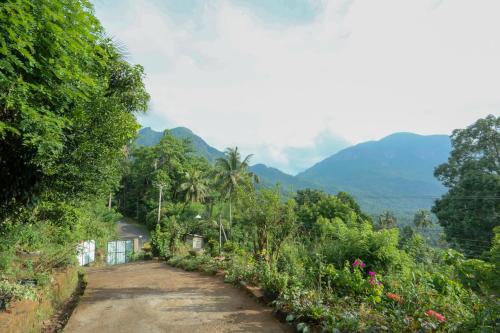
195	186
387	220
231	174
67	103
422	219
471	208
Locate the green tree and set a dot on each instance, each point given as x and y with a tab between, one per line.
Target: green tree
195	186
232	173
469	211
422	219
272	220
387	220
67	102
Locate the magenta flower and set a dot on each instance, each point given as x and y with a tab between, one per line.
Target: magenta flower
372	273
362	265
372	281
356	263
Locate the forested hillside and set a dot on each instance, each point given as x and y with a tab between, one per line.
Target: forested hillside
394	173
149	137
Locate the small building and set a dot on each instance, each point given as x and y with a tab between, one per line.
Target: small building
194	241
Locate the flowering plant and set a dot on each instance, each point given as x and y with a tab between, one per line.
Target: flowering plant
358	263
395	297
435	315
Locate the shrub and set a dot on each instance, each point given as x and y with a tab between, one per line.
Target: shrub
213	247
159	242
14	291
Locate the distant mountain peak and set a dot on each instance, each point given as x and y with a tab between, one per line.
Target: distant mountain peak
182	129
149	137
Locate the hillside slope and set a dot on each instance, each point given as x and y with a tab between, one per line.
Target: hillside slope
150	137
395	172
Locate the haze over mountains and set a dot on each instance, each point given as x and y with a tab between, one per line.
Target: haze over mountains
394	173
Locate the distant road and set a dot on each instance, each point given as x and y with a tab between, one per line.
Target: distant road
127	229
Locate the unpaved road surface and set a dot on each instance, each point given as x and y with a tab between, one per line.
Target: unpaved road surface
153	297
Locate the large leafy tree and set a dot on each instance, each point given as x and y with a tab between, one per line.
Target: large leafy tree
67	100
232	173
271	220
471	208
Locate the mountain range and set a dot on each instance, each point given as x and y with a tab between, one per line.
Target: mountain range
394	173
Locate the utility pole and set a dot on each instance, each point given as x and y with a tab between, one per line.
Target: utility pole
159	203
220	235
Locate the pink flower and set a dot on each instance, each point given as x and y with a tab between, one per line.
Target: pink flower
363	265
372	273
356	263
436	315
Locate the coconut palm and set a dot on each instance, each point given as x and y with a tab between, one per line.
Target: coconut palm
422	219
232	173
195	187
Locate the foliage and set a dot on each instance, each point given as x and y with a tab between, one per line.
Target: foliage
346	275
194	187
387	220
59	77
469	210
422	219
68	101
16	291
231	175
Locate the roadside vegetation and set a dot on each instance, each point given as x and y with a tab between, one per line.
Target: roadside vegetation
322	261
67	104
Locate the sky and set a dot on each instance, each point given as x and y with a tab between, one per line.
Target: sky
294	81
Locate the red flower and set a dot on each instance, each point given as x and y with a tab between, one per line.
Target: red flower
395	297
436	315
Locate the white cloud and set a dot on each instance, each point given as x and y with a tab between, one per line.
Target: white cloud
361	71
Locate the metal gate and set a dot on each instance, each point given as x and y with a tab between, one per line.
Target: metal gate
119	252
86	252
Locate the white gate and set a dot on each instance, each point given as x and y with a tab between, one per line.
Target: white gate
86	252
119	252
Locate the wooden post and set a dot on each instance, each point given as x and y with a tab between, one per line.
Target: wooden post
109	202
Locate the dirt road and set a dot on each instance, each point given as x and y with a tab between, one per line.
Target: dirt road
127	229
153	297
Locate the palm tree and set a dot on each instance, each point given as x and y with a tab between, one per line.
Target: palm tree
232	172
195	187
422	219
387	220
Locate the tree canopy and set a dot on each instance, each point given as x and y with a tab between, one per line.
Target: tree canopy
470	209
67	101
